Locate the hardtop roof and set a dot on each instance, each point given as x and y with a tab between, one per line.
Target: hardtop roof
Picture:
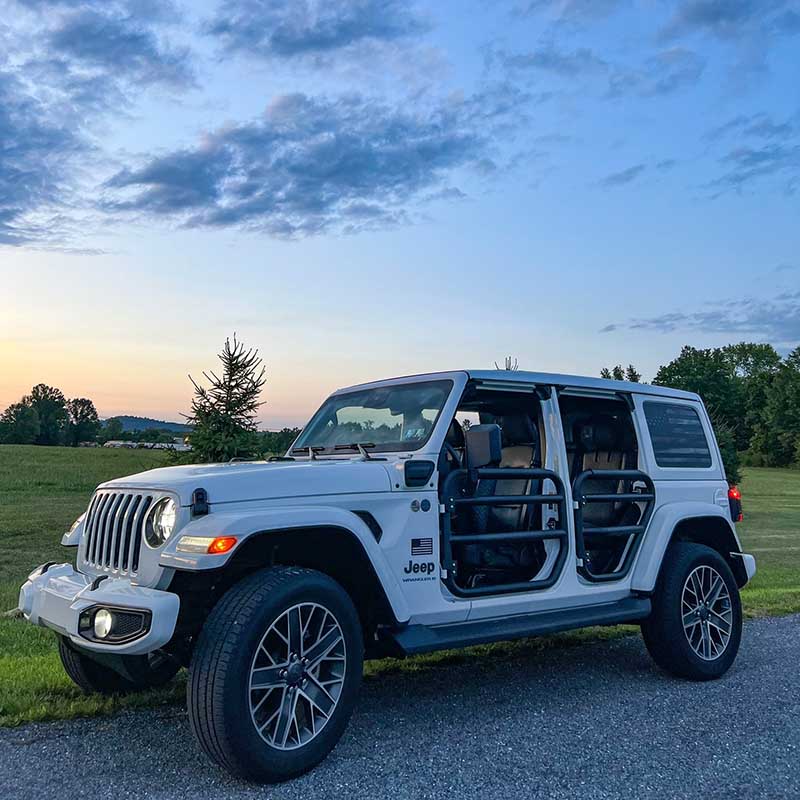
543	378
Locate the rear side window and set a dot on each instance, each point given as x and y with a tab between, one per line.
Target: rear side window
677	435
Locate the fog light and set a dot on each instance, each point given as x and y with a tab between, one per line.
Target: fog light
103	621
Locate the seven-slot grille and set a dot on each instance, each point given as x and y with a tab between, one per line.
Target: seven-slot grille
113	530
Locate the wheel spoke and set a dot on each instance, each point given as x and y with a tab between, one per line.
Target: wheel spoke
320	649
319	696
265	678
288	702
295	635
690	620
726	631
714	592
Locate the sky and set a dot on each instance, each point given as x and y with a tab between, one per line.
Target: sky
368	188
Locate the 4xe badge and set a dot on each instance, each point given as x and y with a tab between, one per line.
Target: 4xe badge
424	570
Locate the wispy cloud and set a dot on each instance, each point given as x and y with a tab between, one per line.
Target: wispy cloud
574	12
732	19
122	45
36	152
744	165
310	28
776	319
623	177
758	126
549	58
664	73
309	165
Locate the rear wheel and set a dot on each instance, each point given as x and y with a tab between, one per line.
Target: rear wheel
695	626
275	674
144	672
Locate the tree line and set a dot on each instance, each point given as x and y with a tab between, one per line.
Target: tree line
752	394
47	417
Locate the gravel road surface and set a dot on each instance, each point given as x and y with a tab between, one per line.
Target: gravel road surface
589	721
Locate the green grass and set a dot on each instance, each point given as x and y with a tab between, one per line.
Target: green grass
771	532
42	490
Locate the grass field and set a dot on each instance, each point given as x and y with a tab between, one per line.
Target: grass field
42	490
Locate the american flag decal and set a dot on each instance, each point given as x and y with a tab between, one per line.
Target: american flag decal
422	547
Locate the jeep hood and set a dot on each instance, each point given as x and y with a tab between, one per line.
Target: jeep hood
240	481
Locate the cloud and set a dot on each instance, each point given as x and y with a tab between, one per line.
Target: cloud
66	65
776	319
548	58
732	19
36	151
309	165
301	28
664	73
760	126
122	46
622	178
750	28
745	165
575	12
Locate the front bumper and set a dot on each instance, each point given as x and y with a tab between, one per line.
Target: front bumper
56	598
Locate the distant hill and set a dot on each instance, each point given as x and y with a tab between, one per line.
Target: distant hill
134	424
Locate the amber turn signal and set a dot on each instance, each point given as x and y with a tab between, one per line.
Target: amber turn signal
222	544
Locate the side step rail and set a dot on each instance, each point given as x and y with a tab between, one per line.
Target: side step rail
581	497
414	639
453	503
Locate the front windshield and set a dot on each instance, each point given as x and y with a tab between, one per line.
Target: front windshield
390	418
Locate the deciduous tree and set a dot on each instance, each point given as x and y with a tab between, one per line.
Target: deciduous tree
19	424
51	406
84	424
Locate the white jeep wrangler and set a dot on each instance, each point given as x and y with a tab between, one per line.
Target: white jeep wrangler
411	515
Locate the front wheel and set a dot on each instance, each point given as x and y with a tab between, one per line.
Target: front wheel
275	674
695	626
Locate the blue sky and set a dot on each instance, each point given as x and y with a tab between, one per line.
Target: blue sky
363	188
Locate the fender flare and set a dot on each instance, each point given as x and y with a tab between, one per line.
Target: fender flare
659	535
247	524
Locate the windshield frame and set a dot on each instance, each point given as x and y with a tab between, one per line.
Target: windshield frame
380	447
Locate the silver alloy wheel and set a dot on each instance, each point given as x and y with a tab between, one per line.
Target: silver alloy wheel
706	612
297	675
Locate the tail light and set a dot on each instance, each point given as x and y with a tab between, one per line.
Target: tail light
735	503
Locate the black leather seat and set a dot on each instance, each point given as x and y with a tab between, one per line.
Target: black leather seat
603	443
520	449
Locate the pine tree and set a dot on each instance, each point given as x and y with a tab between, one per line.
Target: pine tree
224	414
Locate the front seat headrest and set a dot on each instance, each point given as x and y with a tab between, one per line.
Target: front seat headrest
517	429
484	445
601	433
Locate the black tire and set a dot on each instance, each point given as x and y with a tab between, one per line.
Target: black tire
218	690
663	630
145	672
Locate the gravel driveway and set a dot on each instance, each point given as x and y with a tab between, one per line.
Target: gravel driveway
589	721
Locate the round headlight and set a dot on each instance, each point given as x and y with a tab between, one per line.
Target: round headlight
103	620
161	522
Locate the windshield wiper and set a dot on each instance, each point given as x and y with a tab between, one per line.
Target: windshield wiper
311	451
360	446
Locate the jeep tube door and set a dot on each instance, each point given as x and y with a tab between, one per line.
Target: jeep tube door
516	563
613	499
